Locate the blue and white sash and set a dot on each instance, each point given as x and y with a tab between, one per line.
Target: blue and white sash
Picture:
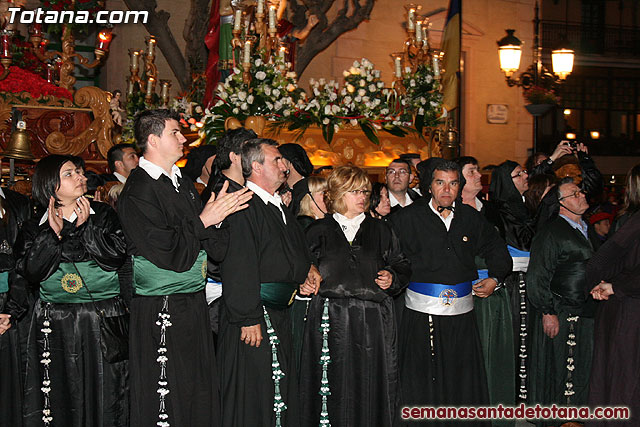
520	259
212	290
438	299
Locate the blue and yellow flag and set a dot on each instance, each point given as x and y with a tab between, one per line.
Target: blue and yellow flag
451	46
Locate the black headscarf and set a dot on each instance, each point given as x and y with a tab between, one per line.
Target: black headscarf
509	214
298	158
503	191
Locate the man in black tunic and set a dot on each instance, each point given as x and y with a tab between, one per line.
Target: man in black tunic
266	261
228	164
440	352
172	363
562	326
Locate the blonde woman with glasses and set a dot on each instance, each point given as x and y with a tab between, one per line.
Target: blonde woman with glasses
349	349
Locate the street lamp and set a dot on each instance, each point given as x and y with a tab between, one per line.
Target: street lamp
510	52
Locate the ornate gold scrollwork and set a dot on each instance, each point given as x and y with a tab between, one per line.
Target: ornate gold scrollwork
99	130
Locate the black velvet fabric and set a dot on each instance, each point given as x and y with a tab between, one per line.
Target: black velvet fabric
448	257
246	383
163	225
363	373
262	249
507	210
350	270
614	377
18	302
86	390
454	376
99	239
191	367
556	276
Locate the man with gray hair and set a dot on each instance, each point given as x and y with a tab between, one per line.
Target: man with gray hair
266	263
562	325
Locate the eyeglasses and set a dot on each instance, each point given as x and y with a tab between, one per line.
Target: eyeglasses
360	192
522	172
401	172
575	194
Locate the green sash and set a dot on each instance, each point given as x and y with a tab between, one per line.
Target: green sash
151	280
4	282
66	286
277	295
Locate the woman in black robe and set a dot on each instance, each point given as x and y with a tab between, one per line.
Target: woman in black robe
349	372
15	301
508	213
613	273
72	253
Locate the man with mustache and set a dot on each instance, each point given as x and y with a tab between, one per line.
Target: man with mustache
439	348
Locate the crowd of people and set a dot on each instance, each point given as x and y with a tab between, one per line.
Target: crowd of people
245	290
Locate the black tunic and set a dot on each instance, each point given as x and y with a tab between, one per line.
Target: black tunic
99	390
556	282
213	267
508	213
614	377
262	249
455	375
17	302
162	225
362	338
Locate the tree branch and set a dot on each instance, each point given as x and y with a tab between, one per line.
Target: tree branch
194	32
157	24
324	33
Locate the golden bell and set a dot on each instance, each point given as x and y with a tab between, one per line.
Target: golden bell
19	147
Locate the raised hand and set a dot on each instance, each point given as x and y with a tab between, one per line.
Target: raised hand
224	204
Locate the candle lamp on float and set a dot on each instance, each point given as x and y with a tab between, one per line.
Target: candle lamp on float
66	59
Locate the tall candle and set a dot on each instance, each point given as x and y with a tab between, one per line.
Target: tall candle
436	65
150	86
272	18
247	52
260	7
134	59
398	63
425	35
418	31
237	20
151	46
410	19
129	88
282	52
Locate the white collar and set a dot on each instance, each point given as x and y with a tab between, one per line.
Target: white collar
74	216
393	201
199	180
4	197
479	204
156	171
448	219
266	197
120	177
349	226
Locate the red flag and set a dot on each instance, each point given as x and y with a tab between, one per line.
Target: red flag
212	40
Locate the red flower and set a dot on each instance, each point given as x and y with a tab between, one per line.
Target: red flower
20	80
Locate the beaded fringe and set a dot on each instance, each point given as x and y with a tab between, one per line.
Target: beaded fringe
571	342
325	359
522	291
163	389
278	403
47	417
